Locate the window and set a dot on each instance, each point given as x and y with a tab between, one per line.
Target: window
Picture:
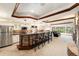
63	29
69	29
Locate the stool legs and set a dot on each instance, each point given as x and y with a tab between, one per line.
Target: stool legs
41	39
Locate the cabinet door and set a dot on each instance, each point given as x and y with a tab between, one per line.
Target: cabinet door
3	35
8	36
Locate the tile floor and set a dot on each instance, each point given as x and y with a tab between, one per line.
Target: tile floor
58	47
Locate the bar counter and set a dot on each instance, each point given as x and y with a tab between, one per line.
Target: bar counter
29	41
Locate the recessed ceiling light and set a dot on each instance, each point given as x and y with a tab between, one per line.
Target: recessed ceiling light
32	11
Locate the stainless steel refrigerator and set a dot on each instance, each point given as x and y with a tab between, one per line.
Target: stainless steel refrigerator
5	36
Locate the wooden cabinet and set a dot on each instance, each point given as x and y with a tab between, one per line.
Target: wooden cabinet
30	40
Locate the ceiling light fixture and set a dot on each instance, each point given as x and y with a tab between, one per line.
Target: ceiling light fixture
32	11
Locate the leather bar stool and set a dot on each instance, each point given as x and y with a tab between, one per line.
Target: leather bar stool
50	36
41	39
46	37
35	41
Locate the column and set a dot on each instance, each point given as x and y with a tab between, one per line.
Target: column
77	29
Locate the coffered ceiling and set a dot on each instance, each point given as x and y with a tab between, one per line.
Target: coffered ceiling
38	10
34	10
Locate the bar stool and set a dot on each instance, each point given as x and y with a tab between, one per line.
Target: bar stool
41	39
35	41
46	37
50	36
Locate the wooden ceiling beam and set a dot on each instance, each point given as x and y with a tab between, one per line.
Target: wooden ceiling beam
15	8
25	17
62	23
62	11
59	20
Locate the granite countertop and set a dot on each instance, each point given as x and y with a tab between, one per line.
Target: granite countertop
29	33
